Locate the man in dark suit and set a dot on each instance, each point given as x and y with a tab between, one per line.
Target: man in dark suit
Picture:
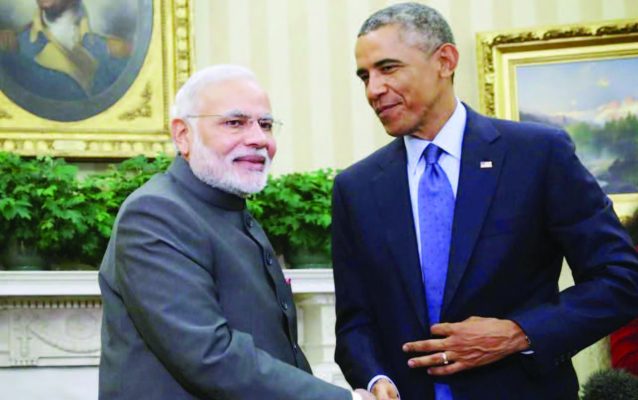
448	242
195	302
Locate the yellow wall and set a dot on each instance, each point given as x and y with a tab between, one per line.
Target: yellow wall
302	51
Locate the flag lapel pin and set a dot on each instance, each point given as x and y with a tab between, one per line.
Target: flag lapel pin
486	164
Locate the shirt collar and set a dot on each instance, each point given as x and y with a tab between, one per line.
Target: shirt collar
449	138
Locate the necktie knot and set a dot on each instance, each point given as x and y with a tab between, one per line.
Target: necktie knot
432	153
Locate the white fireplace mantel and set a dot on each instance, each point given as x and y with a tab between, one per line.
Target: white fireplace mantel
50	330
84	283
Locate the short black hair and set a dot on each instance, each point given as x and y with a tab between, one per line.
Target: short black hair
424	25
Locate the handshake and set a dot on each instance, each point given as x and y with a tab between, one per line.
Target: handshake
382	389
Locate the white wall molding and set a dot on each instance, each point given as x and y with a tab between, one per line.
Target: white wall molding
84	283
48	283
52	321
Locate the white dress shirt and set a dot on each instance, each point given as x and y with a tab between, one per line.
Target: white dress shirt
450	140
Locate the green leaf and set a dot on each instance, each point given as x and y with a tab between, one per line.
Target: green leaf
295	209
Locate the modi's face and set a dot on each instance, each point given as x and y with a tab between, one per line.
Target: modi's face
232	142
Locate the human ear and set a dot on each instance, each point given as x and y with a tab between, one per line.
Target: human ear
449	59
181	137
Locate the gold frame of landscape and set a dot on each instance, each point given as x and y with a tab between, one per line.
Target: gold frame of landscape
500	52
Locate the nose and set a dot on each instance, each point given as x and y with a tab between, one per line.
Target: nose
376	86
256	136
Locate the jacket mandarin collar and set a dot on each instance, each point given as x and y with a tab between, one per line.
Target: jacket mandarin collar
181	171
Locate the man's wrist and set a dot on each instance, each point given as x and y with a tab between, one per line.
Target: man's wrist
386	386
529	342
522	342
376	379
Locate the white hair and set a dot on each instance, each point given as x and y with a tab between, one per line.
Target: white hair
188	96
207	165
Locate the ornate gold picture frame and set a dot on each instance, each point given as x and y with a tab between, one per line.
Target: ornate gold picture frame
580	78
112	99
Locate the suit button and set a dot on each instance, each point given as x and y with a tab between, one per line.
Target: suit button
249	222
269	259
284	305
295	348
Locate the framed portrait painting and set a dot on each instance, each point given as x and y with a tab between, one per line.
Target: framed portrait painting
579	78
91	78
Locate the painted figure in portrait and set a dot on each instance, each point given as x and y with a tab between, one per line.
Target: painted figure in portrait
58	56
596	102
70	52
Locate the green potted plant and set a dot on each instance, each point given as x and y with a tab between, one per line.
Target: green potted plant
50	219
41	210
106	192
295	211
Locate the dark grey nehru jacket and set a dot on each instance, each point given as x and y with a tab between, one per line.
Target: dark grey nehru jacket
195	303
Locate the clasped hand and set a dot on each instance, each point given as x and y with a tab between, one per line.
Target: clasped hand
468	344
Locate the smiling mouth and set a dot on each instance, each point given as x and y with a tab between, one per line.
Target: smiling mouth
255	163
384	110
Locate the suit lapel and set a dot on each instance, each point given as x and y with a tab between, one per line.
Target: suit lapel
481	162
392	194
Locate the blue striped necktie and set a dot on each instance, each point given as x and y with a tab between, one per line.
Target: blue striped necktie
436	213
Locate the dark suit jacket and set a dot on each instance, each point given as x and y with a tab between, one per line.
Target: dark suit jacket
513	225
195	303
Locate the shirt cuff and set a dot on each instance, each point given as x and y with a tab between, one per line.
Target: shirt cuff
376	378
356	396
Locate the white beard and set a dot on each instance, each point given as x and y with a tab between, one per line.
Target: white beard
219	172
65	28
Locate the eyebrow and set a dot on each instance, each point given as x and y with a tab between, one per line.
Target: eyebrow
241	114
379	64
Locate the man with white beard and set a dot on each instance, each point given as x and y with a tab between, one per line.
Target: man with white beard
195	302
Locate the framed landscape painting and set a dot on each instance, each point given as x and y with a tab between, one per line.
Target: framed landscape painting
90	79
579	78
